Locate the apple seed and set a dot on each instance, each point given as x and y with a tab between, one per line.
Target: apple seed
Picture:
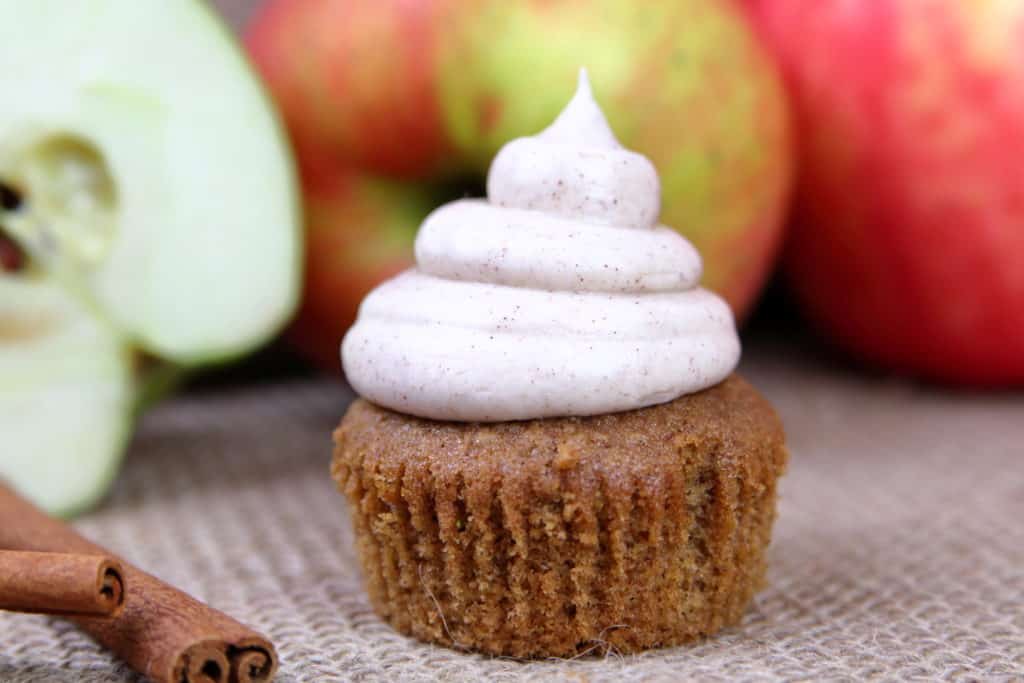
11	257
10	200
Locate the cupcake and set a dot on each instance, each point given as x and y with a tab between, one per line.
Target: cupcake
551	453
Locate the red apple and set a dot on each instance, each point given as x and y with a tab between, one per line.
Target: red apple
393	104
907	247
359	230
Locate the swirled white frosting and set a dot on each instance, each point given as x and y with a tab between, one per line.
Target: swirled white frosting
559	296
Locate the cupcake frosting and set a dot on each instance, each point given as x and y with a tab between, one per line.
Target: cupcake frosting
560	295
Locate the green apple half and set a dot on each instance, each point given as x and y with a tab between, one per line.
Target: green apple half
66	396
145	171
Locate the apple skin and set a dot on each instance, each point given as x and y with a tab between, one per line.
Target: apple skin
359	228
421	92
907	244
357	80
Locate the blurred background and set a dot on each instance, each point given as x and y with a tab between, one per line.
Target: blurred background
850	172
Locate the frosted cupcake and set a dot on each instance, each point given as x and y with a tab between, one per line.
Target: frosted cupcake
551	452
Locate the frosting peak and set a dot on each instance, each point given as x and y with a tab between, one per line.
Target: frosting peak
577	169
581	123
561	295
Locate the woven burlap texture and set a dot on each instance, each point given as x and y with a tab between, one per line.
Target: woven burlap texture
898	553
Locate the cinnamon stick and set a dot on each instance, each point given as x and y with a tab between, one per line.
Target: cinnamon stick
161	632
61	584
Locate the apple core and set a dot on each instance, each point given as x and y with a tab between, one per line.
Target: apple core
60	200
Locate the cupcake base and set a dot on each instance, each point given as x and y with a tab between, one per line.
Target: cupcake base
555	537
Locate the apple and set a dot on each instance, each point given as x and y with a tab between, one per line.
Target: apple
907	248
380	217
395	107
151	171
144	173
66	391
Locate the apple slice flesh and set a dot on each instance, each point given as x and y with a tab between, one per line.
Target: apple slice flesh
66	396
150	171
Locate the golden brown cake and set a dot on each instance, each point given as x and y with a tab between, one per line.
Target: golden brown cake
552	537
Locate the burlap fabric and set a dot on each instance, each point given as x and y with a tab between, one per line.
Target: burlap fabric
898	553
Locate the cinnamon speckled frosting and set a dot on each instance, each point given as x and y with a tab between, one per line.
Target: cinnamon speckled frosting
561	295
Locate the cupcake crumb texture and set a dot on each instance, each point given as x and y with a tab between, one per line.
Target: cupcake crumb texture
557	537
